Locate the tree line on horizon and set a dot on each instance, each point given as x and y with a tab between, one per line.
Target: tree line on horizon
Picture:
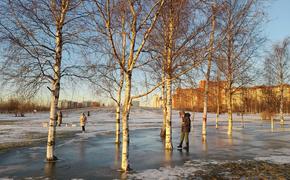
127	49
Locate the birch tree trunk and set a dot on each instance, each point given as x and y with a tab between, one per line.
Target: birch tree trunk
168	137
121	83
207	77
118	108
54	97
218	101
229	77
230	112
281	104
125	127
163	95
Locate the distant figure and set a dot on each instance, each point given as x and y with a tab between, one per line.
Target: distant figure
88	113
59	118
83	121
185	129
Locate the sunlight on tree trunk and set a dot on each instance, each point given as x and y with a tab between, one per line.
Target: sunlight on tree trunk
281	108
230	112
55	84
163	96
168	138
118	107
217	100
272	124
52	127
125	127
117	140
207	76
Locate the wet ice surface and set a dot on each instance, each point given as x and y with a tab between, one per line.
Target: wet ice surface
94	155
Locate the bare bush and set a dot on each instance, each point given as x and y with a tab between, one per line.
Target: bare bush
266	115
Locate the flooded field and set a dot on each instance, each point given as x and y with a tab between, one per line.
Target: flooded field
255	151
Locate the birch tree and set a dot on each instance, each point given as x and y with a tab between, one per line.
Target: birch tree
39	36
241	23
140	20
177	46
209	61
108	80
279	62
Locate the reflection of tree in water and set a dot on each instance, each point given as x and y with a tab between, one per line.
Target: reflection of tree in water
203	138
49	169
117	155
230	140
204	144
167	157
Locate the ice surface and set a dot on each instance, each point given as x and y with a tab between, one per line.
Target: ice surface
95	149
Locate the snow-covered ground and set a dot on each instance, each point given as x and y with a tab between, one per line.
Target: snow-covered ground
99	156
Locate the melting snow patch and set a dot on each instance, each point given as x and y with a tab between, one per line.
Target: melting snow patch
275	159
165	173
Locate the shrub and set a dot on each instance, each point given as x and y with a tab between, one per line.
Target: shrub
266	115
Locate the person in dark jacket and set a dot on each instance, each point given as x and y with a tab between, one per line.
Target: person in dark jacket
185	129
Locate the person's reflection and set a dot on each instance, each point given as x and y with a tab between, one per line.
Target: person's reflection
117	155
49	169
167	157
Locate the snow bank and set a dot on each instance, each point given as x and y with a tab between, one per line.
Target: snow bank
165	173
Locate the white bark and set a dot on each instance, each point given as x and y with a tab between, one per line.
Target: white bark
117	140
52	127
60	17
163	93
118	108
168	137
125	126
54	98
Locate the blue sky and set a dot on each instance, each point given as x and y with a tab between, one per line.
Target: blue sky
279	20
276	29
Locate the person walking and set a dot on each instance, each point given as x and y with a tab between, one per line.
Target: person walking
59	118
185	129
83	121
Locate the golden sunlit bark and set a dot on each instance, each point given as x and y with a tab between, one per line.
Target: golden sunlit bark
163	96
281	107
218	100
207	76
168	137
125	127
